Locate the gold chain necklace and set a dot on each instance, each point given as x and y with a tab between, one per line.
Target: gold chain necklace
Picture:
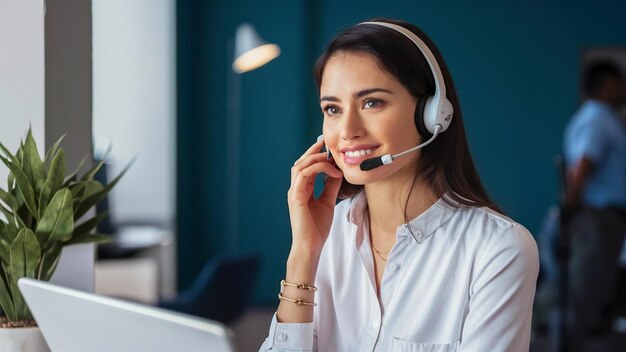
379	253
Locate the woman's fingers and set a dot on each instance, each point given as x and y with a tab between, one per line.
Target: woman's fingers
306	162
315	148
331	190
320	167
302	181
304	170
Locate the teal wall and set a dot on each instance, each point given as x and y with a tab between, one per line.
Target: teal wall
515	65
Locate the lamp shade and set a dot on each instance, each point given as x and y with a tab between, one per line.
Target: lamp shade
251	51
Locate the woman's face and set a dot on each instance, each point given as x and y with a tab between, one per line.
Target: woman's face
367	113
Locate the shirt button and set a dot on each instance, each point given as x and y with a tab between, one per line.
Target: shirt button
281	336
394	267
375	323
419	235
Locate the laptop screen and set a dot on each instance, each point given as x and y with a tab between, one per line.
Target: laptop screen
72	320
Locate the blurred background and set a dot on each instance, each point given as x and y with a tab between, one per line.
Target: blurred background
516	65
214	147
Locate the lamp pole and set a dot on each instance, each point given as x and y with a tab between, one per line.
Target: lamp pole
250	52
233	137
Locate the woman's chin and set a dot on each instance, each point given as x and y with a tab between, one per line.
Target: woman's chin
359	178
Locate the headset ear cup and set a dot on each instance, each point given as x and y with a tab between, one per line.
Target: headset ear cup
419	117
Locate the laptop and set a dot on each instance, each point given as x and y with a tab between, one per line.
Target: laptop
72	320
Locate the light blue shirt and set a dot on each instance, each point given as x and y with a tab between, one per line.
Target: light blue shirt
598	133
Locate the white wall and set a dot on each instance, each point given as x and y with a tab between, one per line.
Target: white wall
21	74
134	92
22	103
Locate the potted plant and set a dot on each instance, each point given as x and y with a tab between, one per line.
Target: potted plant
40	208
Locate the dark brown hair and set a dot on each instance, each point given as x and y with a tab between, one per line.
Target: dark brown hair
445	164
597	74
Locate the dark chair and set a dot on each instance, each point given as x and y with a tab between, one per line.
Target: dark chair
222	291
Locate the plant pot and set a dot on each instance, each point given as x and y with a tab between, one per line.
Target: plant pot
22	340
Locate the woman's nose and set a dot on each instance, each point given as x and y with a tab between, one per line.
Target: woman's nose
352	127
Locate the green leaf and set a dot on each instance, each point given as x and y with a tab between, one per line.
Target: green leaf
7	213
82	232
11	233
9	200
24	261
91	173
19	155
57	223
12	230
57	171
54	182
51	153
7	153
90	238
25	189
72	177
49	261
11	183
78	193
92	200
21	309
91	188
25	254
6	300
6	239
19	222
44	197
77	187
32	164
87	226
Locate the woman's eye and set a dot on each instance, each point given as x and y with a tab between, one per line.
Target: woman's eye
372	103
331	109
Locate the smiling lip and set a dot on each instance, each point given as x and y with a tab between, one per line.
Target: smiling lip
355	155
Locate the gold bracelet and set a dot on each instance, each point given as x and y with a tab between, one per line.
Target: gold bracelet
284	283
298	301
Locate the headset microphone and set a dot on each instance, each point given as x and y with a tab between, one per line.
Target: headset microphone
372	163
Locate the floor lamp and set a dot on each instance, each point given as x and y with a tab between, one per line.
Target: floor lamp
250	52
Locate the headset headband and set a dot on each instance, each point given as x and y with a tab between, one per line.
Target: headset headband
440	86
438	109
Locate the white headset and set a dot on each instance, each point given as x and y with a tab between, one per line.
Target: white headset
437	109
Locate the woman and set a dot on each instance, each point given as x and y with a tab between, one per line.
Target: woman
416	257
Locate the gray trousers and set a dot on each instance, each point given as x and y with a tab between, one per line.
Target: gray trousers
596	238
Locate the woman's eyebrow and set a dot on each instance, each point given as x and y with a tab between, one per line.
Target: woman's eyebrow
365	92
357	95
329	98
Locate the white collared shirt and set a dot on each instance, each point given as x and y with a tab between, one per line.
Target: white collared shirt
462	279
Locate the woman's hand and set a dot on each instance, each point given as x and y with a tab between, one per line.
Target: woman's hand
310	224
311	218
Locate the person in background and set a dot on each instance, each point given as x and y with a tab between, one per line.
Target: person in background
416	257
595	158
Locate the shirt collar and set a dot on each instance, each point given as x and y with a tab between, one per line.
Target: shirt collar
357	208
600	105
420	228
